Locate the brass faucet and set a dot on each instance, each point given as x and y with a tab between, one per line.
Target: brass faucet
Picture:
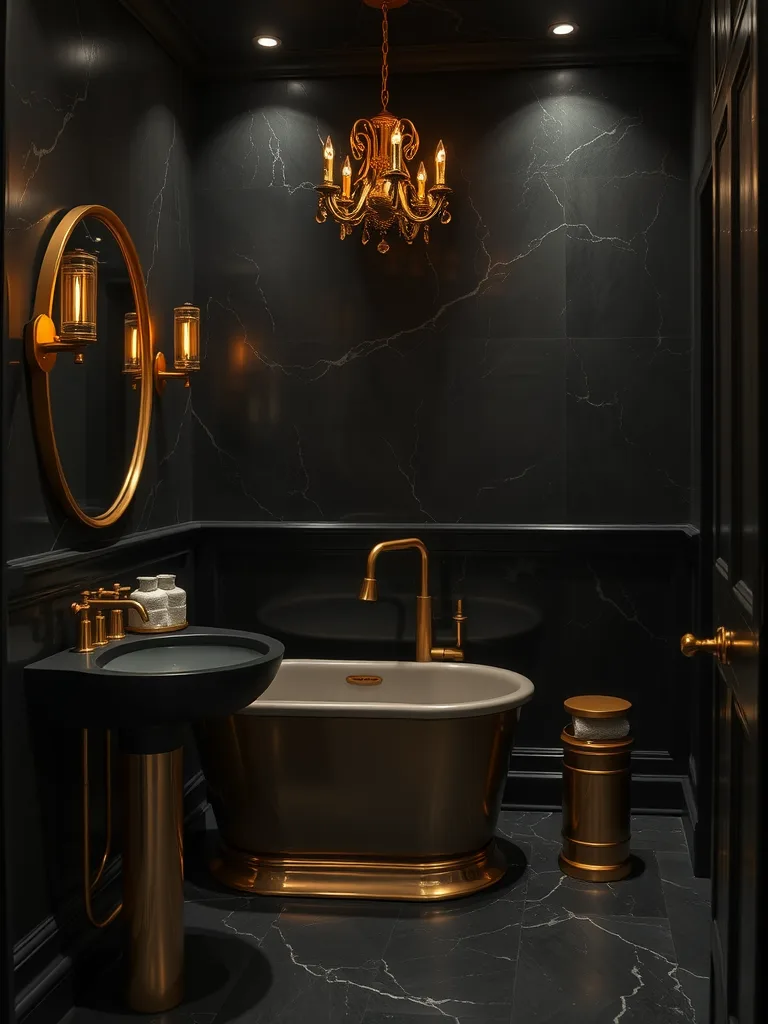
98	599
369	591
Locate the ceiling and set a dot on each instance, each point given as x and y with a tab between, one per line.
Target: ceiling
343	36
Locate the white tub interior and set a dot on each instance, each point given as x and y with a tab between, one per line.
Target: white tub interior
408	690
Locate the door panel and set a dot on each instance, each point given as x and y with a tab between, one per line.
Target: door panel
738	478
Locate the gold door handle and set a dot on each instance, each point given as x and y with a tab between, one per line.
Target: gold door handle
721	645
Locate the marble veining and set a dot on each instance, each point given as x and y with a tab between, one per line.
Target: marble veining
537	350
539	949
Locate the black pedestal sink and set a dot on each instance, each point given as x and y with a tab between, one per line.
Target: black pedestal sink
147	686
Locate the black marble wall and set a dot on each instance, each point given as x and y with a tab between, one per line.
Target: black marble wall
530	366
95	113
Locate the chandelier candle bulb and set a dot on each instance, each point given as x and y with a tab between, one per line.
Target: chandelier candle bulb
328	162
440	163
346	179
421	182
397	149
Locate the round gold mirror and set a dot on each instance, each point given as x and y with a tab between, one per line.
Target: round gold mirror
89	352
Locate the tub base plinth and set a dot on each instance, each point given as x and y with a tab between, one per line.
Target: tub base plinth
371	879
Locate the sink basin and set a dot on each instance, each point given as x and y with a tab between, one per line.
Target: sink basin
161	680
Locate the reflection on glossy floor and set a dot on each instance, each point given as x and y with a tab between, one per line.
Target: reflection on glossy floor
541	949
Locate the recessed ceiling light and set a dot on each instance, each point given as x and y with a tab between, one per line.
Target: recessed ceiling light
268	42
563	28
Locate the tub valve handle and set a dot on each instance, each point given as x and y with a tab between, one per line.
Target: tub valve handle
453	653
459	618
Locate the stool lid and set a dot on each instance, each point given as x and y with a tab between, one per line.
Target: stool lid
595	706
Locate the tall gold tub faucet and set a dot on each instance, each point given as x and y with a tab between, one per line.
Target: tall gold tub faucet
424	649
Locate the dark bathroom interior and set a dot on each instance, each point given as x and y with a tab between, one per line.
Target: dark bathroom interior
559	395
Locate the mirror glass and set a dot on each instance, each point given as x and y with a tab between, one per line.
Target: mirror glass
94	405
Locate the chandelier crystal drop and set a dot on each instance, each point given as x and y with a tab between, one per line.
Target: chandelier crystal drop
379	193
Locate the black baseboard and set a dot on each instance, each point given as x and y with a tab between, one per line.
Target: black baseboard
47	971
697	833
535	782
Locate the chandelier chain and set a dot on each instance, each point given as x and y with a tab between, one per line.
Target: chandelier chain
384	57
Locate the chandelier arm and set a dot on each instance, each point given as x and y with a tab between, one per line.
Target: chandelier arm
410	138
353	214
418	218
362	142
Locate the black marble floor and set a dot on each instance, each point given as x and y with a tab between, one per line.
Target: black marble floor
539	949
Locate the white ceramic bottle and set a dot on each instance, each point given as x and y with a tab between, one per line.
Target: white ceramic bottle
155	602
177	598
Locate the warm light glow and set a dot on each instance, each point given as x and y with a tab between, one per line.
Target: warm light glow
268	42
186	337
421	181
328	162
397	149
78	283
131	351
563	28
346	179
440	163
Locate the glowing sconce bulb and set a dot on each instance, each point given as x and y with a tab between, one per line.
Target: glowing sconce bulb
346	179
328	167
79	293
421	181
131	350
440	163
186	337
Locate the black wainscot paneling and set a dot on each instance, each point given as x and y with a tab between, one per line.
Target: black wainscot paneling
577	610
55	947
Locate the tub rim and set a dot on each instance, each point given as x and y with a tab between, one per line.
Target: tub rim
515	699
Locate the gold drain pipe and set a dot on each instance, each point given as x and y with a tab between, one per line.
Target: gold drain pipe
89	884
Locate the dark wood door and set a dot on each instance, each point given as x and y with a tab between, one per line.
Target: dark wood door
740	304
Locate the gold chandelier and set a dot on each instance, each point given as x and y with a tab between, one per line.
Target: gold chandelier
382	193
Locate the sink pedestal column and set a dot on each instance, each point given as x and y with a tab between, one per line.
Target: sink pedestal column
153	880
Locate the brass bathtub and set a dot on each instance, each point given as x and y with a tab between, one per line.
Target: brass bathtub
389	790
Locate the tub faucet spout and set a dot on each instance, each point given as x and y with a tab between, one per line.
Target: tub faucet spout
369	592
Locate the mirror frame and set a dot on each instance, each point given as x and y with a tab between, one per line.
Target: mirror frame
40	364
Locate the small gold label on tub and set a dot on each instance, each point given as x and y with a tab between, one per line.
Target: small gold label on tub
364	680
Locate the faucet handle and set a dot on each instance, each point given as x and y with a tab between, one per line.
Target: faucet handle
453	653
459	618
114	591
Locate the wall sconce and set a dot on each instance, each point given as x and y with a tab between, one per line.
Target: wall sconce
79	292
77	275
131	348
186	348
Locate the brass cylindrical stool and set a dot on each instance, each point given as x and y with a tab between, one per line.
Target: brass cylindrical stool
596	774
153	880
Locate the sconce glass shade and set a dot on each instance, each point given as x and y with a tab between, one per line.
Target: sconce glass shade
132	349
186	337
79	292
